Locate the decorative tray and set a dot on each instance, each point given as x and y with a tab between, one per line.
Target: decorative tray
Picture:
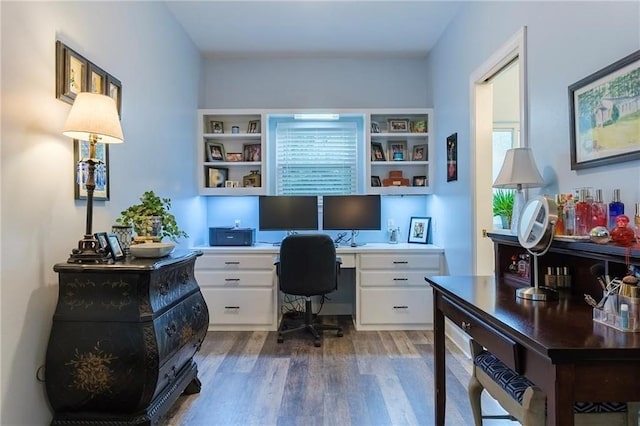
151	250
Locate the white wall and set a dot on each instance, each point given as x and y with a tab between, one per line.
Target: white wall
567	41
141	44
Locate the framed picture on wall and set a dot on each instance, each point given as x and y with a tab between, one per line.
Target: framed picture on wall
97	80
71	73
114	91
452	157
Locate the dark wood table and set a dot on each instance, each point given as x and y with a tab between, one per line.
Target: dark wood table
556	345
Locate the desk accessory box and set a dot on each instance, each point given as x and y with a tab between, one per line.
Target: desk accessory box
613	315
232	236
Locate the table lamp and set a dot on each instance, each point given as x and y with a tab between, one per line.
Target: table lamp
518	171
93	118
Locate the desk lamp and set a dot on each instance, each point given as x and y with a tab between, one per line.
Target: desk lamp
94	118
518	171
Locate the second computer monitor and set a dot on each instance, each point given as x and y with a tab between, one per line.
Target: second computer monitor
351	213
288	213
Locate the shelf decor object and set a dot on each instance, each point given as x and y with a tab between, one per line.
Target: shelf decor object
518	171
94	118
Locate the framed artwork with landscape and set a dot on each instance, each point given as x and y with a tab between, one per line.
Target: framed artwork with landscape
605	115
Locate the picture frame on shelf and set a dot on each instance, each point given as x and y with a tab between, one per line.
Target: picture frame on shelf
217	176
420	153
234	156
81	174
397	150
377	152
215	151
97	80
375	181
419	181
71	73
398	125
419	230
114	245
375	127
603	115
103	242
216	126
251	152
418	126
114	91
254	126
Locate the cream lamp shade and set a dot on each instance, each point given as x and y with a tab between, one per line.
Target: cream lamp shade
93	114
518	170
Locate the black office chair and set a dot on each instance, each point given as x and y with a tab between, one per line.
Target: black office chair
307	266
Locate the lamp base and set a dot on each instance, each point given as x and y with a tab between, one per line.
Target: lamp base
537	293
88	251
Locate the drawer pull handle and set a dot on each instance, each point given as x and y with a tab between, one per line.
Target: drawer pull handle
401	279
171	329
465	325
232	279
400	307
163	288
232	307
231	263
400	262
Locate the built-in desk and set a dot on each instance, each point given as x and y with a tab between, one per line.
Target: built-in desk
240	286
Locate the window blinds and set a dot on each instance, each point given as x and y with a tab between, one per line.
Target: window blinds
316	158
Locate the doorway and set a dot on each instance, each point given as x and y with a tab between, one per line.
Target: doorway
499	122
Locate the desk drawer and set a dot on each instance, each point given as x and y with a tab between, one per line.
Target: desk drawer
234	262
506	349
396	306
400	261
234	279
392	278
239	306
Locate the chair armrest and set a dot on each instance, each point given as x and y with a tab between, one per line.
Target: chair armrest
338	260
277	265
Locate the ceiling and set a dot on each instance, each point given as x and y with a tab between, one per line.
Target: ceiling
314	28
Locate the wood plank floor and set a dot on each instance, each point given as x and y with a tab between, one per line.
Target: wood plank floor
362	378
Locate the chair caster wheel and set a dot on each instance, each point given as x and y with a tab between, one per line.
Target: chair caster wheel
280	339
339	334
316	343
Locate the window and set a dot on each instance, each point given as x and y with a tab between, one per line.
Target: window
314	157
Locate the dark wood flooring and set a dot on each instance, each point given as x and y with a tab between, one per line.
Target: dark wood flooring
362	378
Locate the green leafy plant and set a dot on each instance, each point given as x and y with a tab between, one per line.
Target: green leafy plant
138	216
503	204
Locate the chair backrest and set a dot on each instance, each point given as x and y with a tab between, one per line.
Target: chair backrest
308	265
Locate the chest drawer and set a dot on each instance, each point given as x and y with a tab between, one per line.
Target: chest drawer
234	279
506	349
400	261
370	278
396	306
241	306
236	262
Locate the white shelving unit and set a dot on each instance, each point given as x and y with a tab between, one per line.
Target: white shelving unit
411	128
216	136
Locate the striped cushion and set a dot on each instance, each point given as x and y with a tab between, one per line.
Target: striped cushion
515	385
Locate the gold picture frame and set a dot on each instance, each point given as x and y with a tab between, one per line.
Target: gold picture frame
71	73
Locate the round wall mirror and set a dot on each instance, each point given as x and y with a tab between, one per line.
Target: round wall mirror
535	233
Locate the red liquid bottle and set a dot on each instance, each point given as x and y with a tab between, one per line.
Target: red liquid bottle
598	211
583	212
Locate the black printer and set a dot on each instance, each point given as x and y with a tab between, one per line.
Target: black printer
232	236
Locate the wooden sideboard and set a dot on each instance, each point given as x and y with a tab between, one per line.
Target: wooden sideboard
123	338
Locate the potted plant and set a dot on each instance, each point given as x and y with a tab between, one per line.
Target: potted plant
503	206
152	218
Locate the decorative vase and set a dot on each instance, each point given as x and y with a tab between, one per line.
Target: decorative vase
125	236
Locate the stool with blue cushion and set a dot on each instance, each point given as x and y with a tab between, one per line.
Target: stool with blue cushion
526	403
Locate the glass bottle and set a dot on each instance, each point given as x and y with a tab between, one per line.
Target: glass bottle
636	222
583	212
560	201
598	211
616	208
569	213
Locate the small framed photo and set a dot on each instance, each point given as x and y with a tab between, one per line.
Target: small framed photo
251	152
71	73
215	151
419	181
375	127
234	156
116	249
217	177
229	184
254	126
216	126
114	90
377	152
419	126
420	153
398	150
375	181
97	80
103	241
397	125
419	230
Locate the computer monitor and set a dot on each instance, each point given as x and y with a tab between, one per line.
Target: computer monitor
351	213
288	213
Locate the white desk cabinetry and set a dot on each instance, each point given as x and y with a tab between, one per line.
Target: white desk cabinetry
239	285
392	292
